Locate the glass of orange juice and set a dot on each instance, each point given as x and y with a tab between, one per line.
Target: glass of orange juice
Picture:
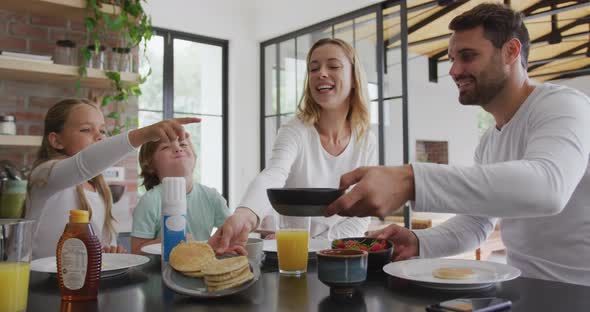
292	244
16	237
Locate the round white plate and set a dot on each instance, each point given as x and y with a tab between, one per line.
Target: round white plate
153	249
315	245
112	264
419	271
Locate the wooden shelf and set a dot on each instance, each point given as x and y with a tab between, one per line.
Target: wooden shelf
20	141
71	9
36	71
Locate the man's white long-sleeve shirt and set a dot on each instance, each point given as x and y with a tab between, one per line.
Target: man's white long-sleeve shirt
299	160
533	174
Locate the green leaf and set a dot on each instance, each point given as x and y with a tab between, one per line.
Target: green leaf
82	71
90	24
86	55
134	90
113	115
92	4
118	23
107	100
134	9
115	76
96	46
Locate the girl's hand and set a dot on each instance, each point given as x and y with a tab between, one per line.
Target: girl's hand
166	131
114	249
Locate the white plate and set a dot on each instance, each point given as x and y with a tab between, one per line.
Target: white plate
315	245
153	249
113	264
419	271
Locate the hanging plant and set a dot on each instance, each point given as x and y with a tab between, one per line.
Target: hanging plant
131	26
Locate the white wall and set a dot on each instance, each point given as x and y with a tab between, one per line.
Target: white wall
580	83
435	113
278	17
232	20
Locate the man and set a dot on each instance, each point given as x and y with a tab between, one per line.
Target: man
531	171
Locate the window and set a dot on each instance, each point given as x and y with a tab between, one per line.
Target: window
369	30
189	79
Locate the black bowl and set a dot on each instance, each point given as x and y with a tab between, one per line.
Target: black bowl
302	202
377	259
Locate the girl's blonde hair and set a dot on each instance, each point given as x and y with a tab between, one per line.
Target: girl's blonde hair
55	120
146	157
358	114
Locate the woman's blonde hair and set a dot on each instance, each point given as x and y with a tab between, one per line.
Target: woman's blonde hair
358	114
55	120
146	157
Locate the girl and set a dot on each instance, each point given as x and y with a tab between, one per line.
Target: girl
66	174
328	137
205	207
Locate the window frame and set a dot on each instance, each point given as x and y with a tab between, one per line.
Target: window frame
168	88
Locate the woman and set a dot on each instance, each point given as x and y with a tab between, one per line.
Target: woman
328	137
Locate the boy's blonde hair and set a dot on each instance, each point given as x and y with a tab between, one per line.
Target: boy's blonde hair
55	120
309	111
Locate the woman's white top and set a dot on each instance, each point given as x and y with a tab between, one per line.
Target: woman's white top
300	161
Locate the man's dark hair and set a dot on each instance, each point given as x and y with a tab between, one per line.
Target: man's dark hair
500	24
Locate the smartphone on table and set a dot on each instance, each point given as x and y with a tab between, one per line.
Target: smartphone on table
471	305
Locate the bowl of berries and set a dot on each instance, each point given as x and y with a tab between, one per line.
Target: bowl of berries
380	250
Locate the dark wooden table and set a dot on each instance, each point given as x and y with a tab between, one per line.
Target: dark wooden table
141	289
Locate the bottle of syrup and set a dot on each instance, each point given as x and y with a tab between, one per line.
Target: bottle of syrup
79	259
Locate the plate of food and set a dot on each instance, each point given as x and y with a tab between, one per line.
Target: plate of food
112	264
452	274
194	270
302	202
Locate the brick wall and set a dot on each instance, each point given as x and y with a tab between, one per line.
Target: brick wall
432	151
29	101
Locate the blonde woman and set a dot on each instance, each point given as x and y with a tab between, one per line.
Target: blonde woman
328	137
67	172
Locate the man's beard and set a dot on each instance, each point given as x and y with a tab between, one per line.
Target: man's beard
490	83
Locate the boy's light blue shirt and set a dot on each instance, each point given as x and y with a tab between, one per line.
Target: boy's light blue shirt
205	208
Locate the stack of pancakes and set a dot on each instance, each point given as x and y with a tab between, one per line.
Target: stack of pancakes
197	259
227	273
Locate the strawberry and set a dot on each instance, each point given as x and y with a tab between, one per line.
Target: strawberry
376	247
351	243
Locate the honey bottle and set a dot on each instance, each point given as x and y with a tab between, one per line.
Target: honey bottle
79	259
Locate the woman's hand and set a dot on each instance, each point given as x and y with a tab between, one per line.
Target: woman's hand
232	236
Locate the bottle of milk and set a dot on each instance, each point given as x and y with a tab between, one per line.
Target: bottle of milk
173	214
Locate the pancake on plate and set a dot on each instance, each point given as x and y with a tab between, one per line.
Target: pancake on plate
454	273
191	256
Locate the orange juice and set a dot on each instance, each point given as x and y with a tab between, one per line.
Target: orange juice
292	248
14	286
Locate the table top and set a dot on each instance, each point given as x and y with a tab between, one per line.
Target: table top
142	289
